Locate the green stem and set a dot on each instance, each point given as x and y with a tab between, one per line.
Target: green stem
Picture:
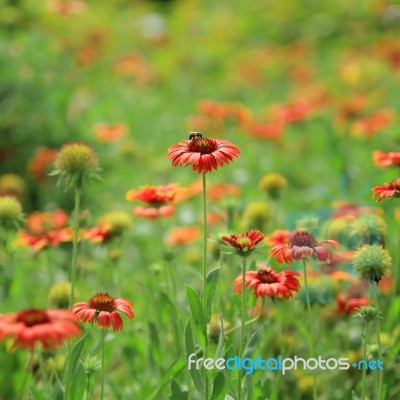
88	386
311	323
378	338
249	322
73	279
205	271
243	325
364	372
27	373
75	243
102	365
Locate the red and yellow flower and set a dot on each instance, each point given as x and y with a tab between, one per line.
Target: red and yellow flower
383	160
391	190
48	327
103	309
203	154
244	243
266	282
302	245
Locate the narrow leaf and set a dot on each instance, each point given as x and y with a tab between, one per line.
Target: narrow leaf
198	318
176	392
190	349
212	283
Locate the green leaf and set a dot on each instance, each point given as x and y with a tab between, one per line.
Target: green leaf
198	318
252	343
176	392
212	283
35	394
218	386
354	395
175	368
220	347
76	354
249	385
190	349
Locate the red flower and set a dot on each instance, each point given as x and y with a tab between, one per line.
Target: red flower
369	126
103	309
98	234
41	162
383	160
45	229
203	154
244	243
107	133
157	199
391	190
267	282
350	305
49	327
302	245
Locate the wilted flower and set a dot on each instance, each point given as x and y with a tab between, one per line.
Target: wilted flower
302	245
214	327
59	294
76	162
372	262
12	185
273	183
257	215
244	243
103	309
203	154
267	282
31	326
369	314
10	213
392	190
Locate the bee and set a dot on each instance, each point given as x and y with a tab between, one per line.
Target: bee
195	135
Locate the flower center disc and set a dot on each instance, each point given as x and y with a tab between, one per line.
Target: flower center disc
302	239
33	317
266	277
202	145
102	302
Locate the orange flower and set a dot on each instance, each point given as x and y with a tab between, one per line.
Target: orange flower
182	235
218	191
185	193
383	160
302	245
40	163
264	130
350	108
134	66
103	309
107	133
98	234
66	7
266	282
157	199
291	113
391	190
45	229
244	243
203	154
369	126
31	326
279	236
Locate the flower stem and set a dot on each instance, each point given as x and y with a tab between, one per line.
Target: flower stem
102	365
73	279
364	372
75	243
311	323
205	271
378	339
243	325
27	373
